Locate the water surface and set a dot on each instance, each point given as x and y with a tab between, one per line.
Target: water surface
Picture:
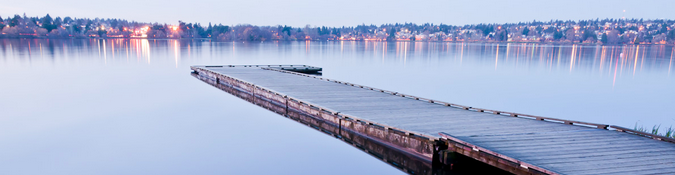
132	107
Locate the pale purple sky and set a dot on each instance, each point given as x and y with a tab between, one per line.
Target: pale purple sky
342	12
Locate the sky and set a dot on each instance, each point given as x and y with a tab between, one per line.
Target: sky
337	13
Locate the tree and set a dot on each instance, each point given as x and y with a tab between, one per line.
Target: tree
570	34
89	26
671	34
392	35
41	32
15	21
502	35
208	30
486	29
48	23
647	38
219	29
604	39
557	35
77	28
101	32
10	31
201	32
286	30
659	38
621	30
589	34
58	21
526	31
2	24
67	20
613	37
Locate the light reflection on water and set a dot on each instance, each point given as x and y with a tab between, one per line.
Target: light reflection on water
618	85
615	63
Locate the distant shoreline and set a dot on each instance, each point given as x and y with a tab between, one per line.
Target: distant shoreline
383	41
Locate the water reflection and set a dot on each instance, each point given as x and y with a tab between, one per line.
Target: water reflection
594	69
609	61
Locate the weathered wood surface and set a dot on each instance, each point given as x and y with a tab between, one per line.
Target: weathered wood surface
547	147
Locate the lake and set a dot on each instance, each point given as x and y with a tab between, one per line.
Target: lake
123	106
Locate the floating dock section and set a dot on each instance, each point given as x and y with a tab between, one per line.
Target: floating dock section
437	131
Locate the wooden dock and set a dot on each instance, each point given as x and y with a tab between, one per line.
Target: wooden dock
436	130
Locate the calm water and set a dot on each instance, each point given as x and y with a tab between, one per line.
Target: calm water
132	107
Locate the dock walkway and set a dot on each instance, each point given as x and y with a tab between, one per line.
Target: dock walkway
518	143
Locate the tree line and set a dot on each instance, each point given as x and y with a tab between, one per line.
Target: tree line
604	31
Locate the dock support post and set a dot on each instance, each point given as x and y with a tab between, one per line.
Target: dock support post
439	150
286	99
340	127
